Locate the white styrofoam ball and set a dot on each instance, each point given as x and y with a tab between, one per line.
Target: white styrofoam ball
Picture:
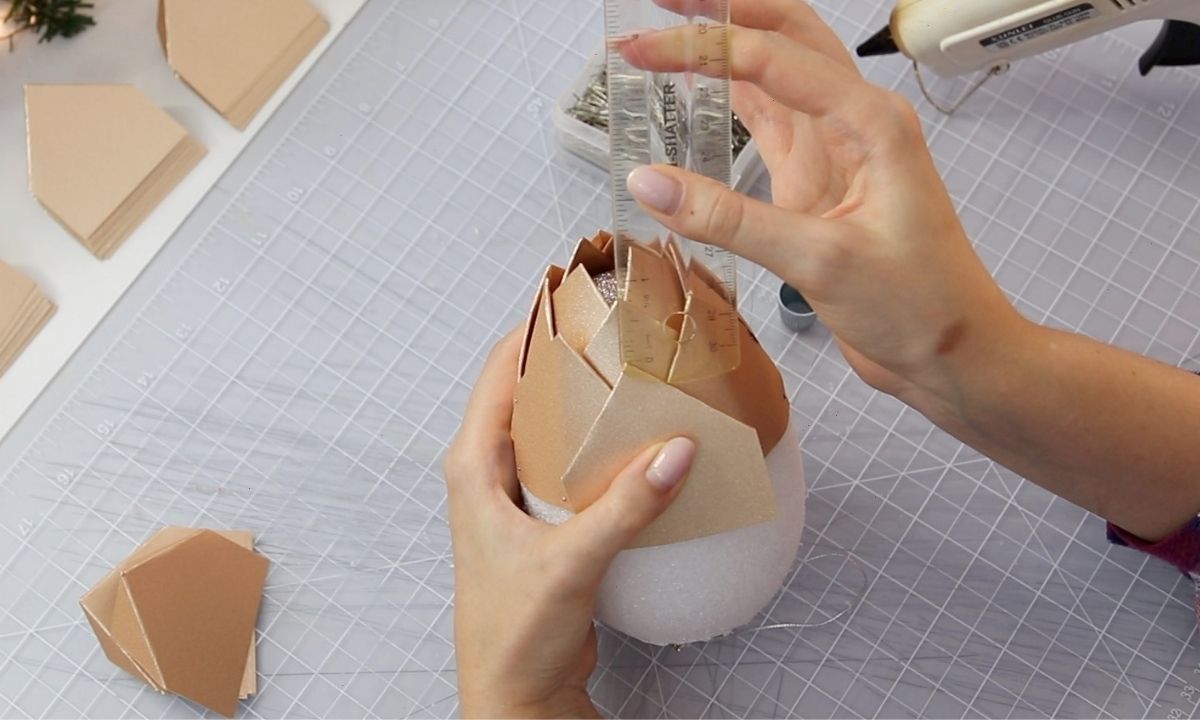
699	589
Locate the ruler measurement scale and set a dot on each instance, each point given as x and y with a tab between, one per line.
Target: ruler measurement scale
683	119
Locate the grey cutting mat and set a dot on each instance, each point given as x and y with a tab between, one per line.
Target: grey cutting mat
297	358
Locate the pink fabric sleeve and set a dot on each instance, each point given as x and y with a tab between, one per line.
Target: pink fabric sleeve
1181	549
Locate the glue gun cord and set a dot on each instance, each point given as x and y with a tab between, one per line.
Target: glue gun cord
953	108
850	605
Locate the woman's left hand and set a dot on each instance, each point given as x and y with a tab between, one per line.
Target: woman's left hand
524	590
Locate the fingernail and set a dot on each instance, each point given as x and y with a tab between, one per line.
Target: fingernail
671	464
655	189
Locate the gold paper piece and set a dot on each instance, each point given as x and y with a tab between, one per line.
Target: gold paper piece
708	340
553	414
604	350
651	286
728	487
651	345
592	255
588	309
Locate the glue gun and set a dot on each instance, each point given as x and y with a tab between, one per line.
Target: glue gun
953	37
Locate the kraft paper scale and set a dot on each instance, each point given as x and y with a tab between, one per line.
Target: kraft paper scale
296	359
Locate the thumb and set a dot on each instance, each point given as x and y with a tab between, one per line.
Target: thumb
704	210
638	495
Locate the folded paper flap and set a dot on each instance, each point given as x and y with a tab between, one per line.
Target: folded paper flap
198	605
647	343
91	147
728	486
604	241
701	272
127	629
99	606
583	309
604	350
672	252
114	653
591	256
753	393
98	601
222	48
652	285
708	343
100	598
550	282
556	402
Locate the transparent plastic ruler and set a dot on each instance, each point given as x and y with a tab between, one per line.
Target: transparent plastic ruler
680	116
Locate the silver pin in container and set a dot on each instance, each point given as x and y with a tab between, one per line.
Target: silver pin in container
795	312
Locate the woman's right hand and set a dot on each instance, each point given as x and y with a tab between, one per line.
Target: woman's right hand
861	223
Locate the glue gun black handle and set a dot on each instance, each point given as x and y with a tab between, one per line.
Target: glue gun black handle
1177	44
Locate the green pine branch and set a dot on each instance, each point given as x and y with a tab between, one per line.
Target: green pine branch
50	18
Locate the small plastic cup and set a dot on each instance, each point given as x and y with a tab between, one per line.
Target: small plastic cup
795	312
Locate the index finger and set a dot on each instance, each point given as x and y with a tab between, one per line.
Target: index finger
491	405
481	455
793	74
794	19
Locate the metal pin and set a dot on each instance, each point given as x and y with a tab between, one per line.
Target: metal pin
591	108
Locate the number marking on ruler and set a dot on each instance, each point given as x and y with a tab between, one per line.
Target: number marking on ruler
683	119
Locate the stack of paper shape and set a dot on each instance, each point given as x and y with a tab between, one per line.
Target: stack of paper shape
236	53
180	612
23	312
101	157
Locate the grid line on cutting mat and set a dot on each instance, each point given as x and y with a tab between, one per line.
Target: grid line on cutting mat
302	351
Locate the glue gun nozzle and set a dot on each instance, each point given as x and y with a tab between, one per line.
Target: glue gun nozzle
881	43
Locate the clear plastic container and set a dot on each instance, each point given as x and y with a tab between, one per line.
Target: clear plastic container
591	144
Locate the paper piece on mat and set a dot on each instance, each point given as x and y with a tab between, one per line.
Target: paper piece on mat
101	157
24	310
723	492
236	53
180	613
